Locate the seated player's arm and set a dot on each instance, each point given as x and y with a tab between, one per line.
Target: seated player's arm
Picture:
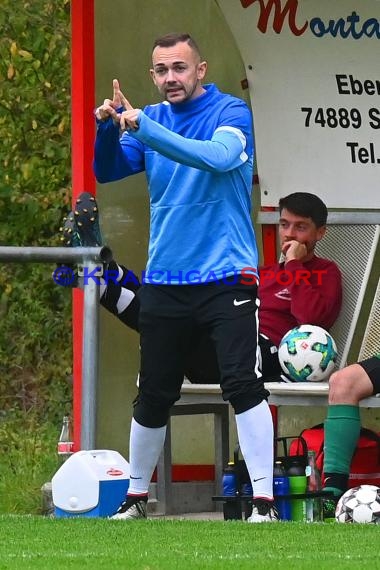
316	296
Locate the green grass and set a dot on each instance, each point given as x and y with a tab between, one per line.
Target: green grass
28	459
30	542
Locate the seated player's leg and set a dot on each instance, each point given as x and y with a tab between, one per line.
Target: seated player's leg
66	274
70	236
118	285
342	426
86	215
118	294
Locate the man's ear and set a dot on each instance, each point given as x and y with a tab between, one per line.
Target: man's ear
202	69
153	76
321	232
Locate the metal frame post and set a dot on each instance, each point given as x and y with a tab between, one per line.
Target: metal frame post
90	257
90	352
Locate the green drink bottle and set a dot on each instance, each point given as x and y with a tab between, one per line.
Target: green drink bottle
297	486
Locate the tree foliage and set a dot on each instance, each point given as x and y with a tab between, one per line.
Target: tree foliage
35	177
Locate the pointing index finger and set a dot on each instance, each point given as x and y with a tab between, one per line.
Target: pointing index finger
116	88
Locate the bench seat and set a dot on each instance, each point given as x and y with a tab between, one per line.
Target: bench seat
281	393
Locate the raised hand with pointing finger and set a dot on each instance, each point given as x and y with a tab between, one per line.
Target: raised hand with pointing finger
111	108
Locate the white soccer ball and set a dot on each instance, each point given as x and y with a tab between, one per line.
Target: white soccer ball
359	505
307	353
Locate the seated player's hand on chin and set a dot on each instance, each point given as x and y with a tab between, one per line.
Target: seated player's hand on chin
293	249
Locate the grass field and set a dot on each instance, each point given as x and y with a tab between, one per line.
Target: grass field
35	542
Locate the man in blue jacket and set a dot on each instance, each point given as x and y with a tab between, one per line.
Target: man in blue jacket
196	149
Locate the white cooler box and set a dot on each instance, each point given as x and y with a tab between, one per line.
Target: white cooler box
90	484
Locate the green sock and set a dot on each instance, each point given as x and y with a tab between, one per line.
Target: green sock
337	492
342	431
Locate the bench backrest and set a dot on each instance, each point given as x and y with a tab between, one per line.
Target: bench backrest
371	339
353	248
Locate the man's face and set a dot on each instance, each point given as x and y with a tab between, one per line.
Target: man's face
177	72
298	228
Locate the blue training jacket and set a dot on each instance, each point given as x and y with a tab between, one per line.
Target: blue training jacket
198	160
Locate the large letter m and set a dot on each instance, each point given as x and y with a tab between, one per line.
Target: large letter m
280	13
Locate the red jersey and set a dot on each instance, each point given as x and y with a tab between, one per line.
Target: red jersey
298	293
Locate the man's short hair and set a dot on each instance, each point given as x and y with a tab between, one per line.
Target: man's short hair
170	40
306	205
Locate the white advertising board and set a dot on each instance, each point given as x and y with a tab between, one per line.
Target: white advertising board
313	71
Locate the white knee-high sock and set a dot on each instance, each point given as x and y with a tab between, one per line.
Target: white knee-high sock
255	433
145	445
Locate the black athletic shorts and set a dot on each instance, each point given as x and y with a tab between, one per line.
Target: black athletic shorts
372	368
201	365
170	316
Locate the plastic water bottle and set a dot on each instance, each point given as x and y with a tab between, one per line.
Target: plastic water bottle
65	446
297	486
229	480
313	505
281	487
232	509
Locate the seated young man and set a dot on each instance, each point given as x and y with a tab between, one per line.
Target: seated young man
342	425
300	289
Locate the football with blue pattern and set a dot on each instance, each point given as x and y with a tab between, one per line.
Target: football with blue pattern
307	353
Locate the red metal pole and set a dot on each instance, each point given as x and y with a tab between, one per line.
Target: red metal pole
82	140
